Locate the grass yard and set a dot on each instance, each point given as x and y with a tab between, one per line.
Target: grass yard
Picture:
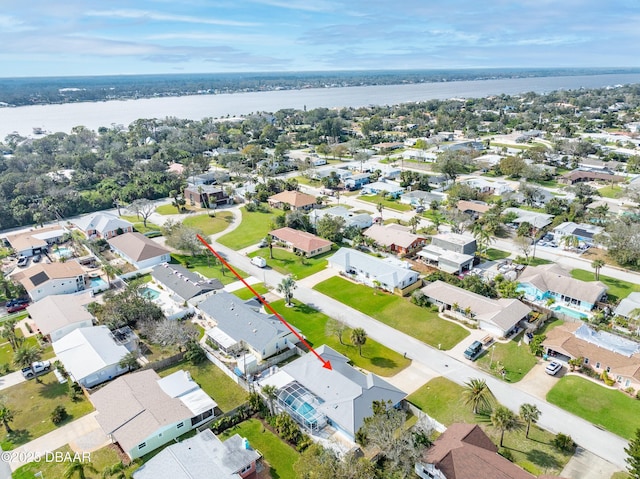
443	400
391	204
286	262
375	357
33	403
139	226
6	353
277	453
169	209
245	293
532	261
394	311
595	403
516	359
611	191
493	254
100	459
205	265
254	227
214	382
618	289
210	225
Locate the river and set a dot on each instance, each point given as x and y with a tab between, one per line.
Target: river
54	118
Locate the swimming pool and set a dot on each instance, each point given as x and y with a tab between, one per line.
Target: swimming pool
570	312
149	293
63	252
98	282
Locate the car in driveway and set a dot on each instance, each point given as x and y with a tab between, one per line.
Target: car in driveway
17	307
23	261
474	349
553	368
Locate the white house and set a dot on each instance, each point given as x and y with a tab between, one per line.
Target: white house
494	187
139	250
91	355
359	220
142	411
102	225
583	231
45	279
56	316
35	241
382	188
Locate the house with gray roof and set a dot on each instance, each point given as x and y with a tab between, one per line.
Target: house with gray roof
421	198
142	411
56	316
140	251
185	285
626	307
389	274
341	397
450	252
583	231
241	325
359	220
203	455
535	219
102	225
496	316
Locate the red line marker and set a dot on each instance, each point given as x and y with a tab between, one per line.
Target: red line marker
325	364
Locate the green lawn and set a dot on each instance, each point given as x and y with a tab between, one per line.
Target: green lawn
618	289
532	261
254	227
611	191
493	254
391	204
214	382
516	359
6	353
210	225
169	209
33	402
277	453
375	357
286	262
443	400
245	293
397	312
100	459
595	403
205	265
139	226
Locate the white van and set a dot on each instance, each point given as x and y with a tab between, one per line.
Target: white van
259	261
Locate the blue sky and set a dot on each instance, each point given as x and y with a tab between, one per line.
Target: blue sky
87	37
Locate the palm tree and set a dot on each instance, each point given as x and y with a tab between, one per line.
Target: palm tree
8	332
270	244
414	222
380	208
77	468
597	264
504	419
482	236
529	414
286	288
270	392
6	416
111	272
478	395
571	242
25	356
115	470
358	338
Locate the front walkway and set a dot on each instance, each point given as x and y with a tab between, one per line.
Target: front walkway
412	378
319	277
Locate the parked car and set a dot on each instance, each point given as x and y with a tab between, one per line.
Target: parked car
263	243
23	261
37	258
259	261
13	302
17	307
473	351
39	367
553	367
420	209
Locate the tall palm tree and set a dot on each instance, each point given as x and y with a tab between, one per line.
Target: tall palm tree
482	236
117	471
529	414
414	222
6	416
270	392
597	264
25	356
8	332
286	288
570	241
358	338
380	208
77	468
477	394
504	419
111	272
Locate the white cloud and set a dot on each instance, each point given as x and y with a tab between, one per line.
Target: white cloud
166	17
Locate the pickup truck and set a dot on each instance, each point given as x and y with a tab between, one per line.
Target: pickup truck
36	368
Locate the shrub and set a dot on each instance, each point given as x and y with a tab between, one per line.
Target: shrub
506	453
607	380
563	442
536	344
59	414
251	207
74	391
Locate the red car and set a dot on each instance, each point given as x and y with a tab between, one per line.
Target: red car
17	307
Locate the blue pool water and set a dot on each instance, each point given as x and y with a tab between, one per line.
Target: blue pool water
63	252
149	293
570	312
97	282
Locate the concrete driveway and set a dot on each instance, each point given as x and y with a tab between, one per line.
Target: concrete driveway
586	465
11	379
537	382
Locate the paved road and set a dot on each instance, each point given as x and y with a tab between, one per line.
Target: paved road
602	443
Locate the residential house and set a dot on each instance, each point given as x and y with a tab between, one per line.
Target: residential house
394	190
535	219
102	225
203	455
450	252
241	325
140	251
492	187
464	146
497	316
388	273
298	241
473	208
418	155
296	200
58	315
600	350
579	175
542	197
341	397
92	355
629	307
551	282
142	411
357	181
184	285
464	451
396	238
45	279
359	220
206	196
36	241
421	198
582	231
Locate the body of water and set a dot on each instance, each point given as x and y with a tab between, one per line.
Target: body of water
54	118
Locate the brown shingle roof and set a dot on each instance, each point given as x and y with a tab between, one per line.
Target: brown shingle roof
42	272
137	246
24	240
481	208
301	240
390	236
293	198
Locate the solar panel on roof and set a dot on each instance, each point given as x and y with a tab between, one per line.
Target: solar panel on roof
38	279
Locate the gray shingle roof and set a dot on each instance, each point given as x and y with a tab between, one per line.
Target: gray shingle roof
183	282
